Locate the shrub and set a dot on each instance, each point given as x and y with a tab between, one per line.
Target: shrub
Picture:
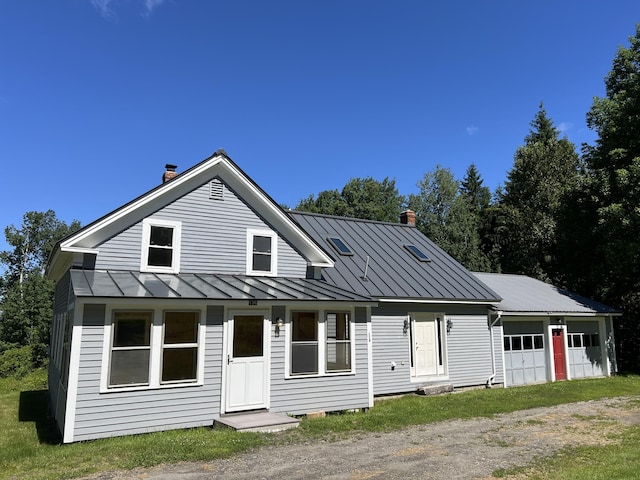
16	362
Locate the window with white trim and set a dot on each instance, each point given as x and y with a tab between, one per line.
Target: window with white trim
160	246
151	348
338	342
262	247
180	347
130	349
304	343
319	347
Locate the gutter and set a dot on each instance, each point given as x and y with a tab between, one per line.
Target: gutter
493	353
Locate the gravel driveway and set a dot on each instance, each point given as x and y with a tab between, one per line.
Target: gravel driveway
456	449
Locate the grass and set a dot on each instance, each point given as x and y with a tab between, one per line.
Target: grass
619	461
30	448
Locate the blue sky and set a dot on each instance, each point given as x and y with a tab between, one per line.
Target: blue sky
97	95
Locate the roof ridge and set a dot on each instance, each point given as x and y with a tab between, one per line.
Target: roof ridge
349	219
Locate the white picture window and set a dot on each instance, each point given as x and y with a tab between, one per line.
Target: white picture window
262	249
304	343
160	246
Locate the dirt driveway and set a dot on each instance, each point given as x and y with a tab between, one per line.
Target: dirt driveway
457	449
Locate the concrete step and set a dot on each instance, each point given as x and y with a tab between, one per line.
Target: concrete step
435	389
261	421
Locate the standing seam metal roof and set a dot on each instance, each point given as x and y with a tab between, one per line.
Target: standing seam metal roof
522	294
126	284
392	271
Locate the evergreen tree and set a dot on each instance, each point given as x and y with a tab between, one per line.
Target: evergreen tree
612	196
546	168
446	216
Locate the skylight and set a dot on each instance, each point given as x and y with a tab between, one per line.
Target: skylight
419	254
340	246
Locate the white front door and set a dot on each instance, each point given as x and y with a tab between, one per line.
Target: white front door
247	361
428	345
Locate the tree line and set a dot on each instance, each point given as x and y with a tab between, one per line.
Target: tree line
567	217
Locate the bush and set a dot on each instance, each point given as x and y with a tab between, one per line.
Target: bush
16	362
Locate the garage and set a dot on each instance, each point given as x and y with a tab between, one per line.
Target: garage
584	349
548	333
524	353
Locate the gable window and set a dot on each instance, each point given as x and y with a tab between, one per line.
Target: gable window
131	349
261	252
320	343
180	346
160	246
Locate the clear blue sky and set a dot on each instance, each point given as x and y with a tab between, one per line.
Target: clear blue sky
97	95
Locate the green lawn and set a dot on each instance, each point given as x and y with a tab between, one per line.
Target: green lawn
30	448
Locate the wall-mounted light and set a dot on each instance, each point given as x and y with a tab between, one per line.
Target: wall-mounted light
279	325
449	325
405	327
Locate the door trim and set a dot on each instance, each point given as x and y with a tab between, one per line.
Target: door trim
440	346
226	339
550	353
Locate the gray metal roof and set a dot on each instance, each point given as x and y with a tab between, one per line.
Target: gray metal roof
522	294
392	271
125	284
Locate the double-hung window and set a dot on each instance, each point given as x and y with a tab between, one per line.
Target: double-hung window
160	246
338	342
304	343
320	343
131	349
153	348
180	347
262	248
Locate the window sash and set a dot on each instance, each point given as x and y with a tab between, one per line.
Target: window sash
320	347
130	360
180	347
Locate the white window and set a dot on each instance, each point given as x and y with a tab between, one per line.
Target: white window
338	333
131	349
180	347
160	246
262	252
320	347
151	348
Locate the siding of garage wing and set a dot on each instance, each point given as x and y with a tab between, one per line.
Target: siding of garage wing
391	271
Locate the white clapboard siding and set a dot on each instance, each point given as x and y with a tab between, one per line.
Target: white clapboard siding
213	237
329	393
121	413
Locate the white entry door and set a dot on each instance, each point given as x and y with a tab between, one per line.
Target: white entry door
247	362
425	345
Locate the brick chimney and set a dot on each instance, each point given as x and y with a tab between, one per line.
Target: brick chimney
170	172
408	217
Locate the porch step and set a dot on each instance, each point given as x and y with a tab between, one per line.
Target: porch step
261	421
436	389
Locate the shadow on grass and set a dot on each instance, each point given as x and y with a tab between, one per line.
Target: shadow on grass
33	408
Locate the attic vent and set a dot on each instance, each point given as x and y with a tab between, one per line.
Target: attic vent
419	254
216	189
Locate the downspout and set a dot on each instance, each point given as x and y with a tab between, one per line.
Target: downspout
493	353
